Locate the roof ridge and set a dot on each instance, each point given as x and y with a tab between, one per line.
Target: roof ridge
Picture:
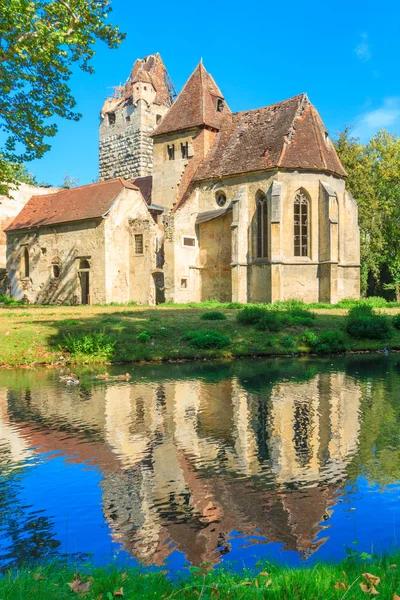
317	137
200	66
242	112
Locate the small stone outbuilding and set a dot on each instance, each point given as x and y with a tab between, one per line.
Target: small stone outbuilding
87	245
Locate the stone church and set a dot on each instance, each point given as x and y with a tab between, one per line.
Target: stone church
195	202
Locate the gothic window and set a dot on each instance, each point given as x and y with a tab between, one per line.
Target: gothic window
262	225
111	118
25	263
220	199
171	151
301	224
185	150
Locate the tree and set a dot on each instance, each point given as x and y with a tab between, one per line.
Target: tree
374	181
69	181
40	41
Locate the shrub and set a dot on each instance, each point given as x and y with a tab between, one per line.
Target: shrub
310	338
287	342
143	337
396	321
363	323
234	305
8	301
300	316
94	345
213	316
273	320
372	301
207	338
251	315
330	341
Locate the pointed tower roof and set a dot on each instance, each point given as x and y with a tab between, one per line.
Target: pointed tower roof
196	105
151	69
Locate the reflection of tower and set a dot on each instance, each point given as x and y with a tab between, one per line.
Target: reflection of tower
13	444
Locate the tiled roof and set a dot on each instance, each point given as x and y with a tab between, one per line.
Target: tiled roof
75	204
289	134
195	106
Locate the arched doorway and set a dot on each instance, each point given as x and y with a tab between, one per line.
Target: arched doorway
84	279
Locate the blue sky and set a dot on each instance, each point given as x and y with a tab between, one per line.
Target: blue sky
344	54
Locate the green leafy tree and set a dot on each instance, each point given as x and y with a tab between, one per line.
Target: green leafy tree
40	41
374	181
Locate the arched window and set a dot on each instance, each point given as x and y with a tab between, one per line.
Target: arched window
84	264
25	263
262	225
301	224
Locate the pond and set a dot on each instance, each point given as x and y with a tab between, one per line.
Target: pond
292	460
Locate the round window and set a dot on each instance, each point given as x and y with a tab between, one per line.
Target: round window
56	271
221	199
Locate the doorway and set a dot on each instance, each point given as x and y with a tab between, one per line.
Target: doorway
84	278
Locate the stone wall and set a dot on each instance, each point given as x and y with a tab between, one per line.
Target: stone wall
64	245
10	207
329	273
125	148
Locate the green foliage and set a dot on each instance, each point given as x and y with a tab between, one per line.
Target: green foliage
372	301
40	42
273	319
57	581
310	338
251	315
287	342
207	339
374	181
69	181
213	316
4	299
363	323
93	345
330	341
396	321
144	337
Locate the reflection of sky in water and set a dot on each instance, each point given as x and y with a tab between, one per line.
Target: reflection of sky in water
181	468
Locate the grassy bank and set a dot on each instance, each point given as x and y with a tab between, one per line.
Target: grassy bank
351	579
33	335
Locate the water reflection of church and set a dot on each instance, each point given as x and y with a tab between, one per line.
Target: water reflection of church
187	462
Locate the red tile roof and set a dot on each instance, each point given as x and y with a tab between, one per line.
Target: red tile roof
195	106
75	204
289	134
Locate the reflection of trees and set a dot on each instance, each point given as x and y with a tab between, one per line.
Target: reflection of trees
28	536
378	457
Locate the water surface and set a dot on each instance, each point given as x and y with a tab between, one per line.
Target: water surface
290	460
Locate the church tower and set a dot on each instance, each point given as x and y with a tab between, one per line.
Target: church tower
129	116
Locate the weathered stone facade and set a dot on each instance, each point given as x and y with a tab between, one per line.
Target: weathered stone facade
125	149
245	207
89	261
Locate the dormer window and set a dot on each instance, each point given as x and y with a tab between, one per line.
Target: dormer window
111	118
220	105
171	151
185	150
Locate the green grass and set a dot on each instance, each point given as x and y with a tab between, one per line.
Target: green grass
352	579
33	335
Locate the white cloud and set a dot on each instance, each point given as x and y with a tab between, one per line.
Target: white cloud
386	116
363	49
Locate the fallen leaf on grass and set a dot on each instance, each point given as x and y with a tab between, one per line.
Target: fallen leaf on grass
119	592
368	589
340	585
268	583
38	576
79	586
396	597
264	573
373	579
